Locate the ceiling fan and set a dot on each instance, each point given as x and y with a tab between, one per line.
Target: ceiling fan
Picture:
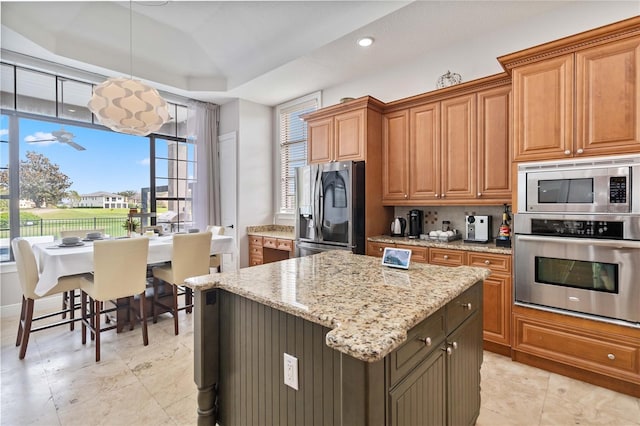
62	136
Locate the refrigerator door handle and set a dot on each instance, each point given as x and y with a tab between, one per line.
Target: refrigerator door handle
316	202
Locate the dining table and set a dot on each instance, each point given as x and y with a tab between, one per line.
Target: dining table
55	260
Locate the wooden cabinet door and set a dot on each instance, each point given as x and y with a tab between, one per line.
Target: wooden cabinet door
494	145
377	249
424	152
463	372
458	145
395	161
418	254
543	109
350	134
496	309
608	99
407	402
320	141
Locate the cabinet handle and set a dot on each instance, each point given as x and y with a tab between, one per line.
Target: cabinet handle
446	256
425	340
611	357
487	262
567	152
580	151
466	306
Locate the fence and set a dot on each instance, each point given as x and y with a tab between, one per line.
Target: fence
113	226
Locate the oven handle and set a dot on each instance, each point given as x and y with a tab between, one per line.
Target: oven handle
618	244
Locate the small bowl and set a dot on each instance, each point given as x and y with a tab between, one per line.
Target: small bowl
94	235
70	240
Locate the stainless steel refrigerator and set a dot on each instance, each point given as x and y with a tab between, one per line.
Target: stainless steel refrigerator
330	207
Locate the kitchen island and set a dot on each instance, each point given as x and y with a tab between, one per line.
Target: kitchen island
372	344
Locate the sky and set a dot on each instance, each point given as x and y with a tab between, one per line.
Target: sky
112	162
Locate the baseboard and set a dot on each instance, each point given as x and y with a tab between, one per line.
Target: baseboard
42	306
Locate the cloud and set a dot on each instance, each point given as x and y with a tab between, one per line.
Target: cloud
41	138
144	161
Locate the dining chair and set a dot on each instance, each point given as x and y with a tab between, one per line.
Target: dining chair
27	268
189	258
80	233
215	259
120	268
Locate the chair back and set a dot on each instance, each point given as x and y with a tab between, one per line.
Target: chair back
81	233
27	267
216	230
190	256
120	267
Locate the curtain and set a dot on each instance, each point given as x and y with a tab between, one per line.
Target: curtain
202	128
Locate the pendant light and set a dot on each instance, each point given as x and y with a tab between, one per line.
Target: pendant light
126	105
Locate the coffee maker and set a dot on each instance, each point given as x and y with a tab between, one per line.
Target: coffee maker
416	219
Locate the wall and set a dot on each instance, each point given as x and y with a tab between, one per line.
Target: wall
476	58
255	171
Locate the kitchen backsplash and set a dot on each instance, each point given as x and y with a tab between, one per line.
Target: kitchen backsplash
433	216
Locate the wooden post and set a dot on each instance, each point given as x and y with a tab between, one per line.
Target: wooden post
206	354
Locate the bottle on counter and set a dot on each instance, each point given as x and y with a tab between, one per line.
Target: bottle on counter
504	234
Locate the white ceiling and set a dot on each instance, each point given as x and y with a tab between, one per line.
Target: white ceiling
264	51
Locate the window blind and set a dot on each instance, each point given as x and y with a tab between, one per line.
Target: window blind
293	150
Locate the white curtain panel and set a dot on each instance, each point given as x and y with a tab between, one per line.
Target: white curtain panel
202	127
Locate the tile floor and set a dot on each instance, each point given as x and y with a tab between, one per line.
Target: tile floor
59	383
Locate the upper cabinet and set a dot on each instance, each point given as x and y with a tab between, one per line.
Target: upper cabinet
451	146
342	132
578	96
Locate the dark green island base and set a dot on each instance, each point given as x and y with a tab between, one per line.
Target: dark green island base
401	362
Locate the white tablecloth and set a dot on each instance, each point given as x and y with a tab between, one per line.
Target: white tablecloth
55	262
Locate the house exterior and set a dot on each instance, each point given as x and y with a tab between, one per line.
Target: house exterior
104	200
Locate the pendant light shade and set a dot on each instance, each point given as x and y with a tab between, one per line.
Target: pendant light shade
129	106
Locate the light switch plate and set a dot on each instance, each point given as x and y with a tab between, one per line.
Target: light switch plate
291	371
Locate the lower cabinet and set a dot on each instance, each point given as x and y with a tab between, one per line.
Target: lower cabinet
497	299
268	249
448	371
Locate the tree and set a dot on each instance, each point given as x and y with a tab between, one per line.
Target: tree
41	181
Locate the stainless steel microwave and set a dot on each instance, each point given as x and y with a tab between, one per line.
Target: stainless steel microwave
597	185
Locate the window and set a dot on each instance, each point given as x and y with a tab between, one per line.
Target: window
292	143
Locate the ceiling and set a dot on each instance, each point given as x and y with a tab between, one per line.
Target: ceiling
264	51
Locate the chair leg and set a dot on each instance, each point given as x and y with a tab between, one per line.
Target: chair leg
155	299
26	331
188	299
83	309
21	322
72	309
143	318
65	304
97	305
174	309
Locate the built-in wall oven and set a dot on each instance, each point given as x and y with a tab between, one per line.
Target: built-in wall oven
577	237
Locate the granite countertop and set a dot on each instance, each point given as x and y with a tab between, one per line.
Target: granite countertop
272	231
369	307
455	244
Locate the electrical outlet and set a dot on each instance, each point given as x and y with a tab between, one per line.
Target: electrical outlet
291	371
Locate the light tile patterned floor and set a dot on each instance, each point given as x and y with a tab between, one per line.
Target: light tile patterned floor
59	383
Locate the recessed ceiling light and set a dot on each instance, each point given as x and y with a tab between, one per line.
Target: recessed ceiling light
365	41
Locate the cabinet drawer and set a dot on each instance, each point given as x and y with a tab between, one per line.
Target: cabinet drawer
286	245
253	261
495	262
421	341
255	240
376	249
592	352
418	254
269	242
255	251
463	306
447	257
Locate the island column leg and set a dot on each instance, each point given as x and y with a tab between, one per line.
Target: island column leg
206	354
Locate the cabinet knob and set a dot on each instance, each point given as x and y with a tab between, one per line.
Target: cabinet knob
405	195
479	194
454	345
450	348
446	256
425	340
444	195
379	248
436	195
466	306
611	357
580	151
567	152
487	262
